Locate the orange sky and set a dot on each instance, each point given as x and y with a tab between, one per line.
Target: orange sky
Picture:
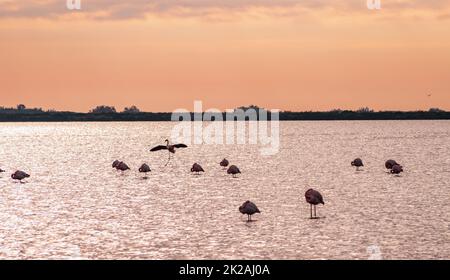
285	54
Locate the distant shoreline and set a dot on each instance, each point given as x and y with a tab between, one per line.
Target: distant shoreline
34	116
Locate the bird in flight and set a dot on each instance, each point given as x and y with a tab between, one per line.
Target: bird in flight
169	147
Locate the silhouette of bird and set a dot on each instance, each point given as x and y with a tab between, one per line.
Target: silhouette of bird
248	208
358	163
197	168
397	169
19	175
313	197
170	148
224	163
144	169
1	170
233	170
115	163
122	166
390	163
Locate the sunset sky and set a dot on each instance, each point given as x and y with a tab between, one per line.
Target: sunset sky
279	54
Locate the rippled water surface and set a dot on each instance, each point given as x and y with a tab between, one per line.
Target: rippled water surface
75	205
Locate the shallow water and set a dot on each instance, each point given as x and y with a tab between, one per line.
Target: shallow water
75	205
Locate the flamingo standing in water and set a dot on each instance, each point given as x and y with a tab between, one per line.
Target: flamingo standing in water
390	163
249	208
122	166
313	197
397	169
197	168
224	163
144	169
19	175
233	170
170	148
358	163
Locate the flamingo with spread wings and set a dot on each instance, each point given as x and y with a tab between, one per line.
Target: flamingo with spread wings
169	147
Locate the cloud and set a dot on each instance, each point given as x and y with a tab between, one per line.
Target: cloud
119	9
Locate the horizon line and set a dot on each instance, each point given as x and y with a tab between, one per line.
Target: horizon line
245	107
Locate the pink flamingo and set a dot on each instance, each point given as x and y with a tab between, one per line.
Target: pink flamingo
313	197
248	208
197	168
234	170
19	175
170	148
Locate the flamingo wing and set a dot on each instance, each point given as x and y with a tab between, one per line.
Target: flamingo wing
159	147
251	208
320	198
180	146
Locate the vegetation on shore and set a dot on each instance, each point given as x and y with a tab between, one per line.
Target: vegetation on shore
108	113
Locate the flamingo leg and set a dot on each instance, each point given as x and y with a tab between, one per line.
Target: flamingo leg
168	160
310	208
315	216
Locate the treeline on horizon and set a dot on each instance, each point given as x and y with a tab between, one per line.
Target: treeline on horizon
108	113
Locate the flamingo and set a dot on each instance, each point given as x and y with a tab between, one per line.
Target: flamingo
249	208
1	170
170	148
358	163
224	163
197	168
19	175
122	166
233	170
313	197
390	163
115	163
397	169
144	169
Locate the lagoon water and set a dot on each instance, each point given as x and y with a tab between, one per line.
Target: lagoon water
75	206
